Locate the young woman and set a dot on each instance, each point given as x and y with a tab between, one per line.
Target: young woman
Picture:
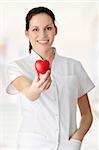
49	104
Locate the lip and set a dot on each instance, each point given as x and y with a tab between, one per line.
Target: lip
43	41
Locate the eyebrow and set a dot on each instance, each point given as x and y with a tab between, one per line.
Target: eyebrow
44	27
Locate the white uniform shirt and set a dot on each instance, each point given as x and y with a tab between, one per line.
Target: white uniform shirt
49	121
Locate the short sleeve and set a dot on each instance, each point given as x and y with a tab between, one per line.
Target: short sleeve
85	84
13	72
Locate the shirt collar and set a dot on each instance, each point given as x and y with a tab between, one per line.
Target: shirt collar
35	56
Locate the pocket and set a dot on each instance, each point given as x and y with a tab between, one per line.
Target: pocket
71	144
75	144
69	82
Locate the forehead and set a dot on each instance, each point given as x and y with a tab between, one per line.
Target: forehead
40	19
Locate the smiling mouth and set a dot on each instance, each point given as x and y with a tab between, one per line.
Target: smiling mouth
43	41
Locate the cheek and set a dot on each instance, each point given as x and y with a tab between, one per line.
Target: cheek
33	38
52	36
32	35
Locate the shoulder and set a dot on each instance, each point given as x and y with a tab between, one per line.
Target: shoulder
71	66
69	61
19	64
22	61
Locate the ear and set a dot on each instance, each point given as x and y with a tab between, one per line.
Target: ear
26	34
56	30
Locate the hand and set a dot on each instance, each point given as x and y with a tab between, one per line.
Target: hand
41	84
77	136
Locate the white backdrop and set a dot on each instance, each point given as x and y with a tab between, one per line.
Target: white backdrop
77	37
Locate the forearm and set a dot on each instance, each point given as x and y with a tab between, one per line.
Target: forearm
32	88
25	86
30	93
85	123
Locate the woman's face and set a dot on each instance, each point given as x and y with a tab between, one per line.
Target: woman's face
41	32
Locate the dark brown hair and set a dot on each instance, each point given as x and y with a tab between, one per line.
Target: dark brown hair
35	11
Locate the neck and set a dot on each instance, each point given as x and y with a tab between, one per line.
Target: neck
46	54
49	54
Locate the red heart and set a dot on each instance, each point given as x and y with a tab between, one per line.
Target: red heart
42	66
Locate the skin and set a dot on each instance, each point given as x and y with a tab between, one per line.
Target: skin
41	34
41	29
86	118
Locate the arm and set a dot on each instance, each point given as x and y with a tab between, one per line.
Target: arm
86	118
32	89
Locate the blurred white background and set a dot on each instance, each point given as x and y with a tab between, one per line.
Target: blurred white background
78	37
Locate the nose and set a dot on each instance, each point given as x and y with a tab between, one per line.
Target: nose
42	34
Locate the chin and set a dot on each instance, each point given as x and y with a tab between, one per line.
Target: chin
45	48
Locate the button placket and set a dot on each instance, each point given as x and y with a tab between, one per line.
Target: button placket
57	116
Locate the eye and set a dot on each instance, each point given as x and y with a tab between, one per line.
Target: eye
49	28
35	29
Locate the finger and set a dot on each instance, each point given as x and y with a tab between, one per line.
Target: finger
44	78
43	86
48	85
37	76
